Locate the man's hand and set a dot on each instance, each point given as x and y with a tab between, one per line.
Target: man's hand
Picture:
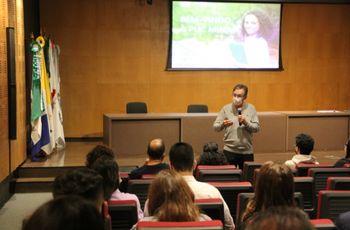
242	120
227	123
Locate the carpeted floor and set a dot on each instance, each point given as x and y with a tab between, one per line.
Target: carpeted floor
20	206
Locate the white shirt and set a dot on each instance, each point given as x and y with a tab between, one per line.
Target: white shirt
300	158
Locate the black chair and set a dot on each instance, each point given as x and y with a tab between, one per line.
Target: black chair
123	213
248	170
323	224
304	185
332	203
136	107
215	175
139	187
197	109
338	183
212	207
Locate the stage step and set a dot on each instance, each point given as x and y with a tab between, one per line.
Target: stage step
31	185
36	172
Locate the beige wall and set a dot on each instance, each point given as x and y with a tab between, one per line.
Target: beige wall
116	51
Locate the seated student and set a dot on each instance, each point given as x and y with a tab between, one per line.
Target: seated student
274	187
211	155
304	144
343	221
97	152
341	162
171	199
83	182
109	170
286	218
66	212
154	163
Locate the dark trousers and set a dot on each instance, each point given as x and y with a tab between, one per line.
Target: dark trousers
238	159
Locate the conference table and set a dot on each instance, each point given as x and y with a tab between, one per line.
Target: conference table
129	134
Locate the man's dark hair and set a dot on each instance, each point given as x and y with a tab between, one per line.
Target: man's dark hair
67	212
305	143
98	151
241	86
156	152
83	182
274	218
181	157
109	170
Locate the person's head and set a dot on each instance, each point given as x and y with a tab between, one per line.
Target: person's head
67	212
274	187
276	218
155	149
211	155
83	182
256	23
347	149
109	170
98	151
239	94
171	199
304	144
181	157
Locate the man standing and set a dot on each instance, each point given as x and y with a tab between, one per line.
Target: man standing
239	120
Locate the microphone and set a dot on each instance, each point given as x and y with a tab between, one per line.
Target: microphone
239	110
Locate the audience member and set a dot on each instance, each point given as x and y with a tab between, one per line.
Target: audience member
154	163
171	199
276	218
182	161
83	182
66	212
211	155
109	170
304	144
274	187
341	162
343	221
97	152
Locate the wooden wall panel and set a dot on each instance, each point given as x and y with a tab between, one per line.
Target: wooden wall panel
4	141
115	51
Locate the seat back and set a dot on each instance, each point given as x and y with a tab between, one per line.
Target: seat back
194	225
207	175
332	203
304	185
212	167
323	224
139	187
338	183
302	168
212	207
248	170
197	108
123	213
230	191
136	107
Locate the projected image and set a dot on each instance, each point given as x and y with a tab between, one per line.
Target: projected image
225	35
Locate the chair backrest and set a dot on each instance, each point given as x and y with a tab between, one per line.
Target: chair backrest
123	213
148	176
197	108
212	207
248	170
304	185
302	168
136	107
332	203
338	183
207	175
323	224
243	199
194	225
139	187
230	191
212	167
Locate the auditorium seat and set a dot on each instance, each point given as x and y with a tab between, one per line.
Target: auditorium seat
304	185
332	203
197	108
193	225
214	175
123	213
243	198
212	207
302	168
323	224
230	191
139	187
136	107
148	176
248	170
212	167
338	183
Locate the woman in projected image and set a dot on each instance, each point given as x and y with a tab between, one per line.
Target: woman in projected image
251	49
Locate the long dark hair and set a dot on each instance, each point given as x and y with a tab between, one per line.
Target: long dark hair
265	25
